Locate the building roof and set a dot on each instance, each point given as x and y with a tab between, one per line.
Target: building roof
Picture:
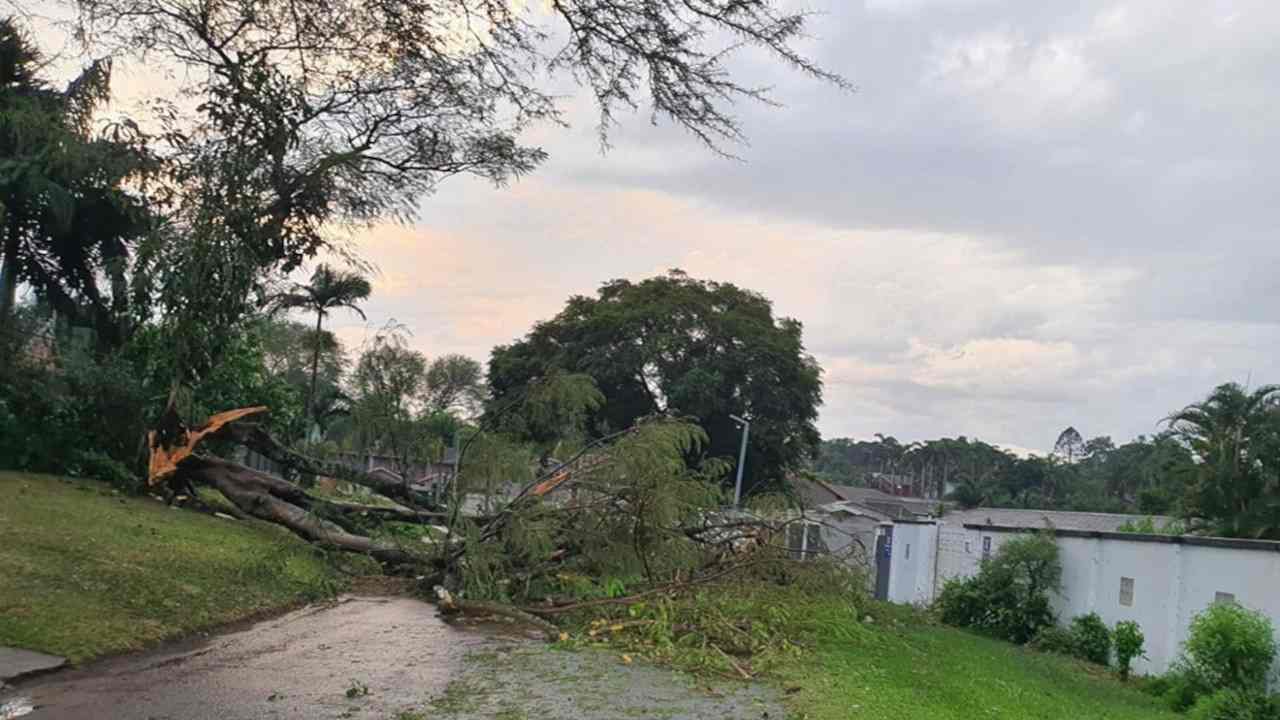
813	492
816	493
1037	519
892	505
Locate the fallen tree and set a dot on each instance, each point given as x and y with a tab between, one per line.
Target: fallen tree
626	510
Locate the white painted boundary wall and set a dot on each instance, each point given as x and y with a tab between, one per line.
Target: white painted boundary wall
1167	581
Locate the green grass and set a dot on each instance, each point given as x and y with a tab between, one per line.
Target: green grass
87	572
912	670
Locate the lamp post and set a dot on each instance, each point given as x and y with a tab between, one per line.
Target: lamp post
742	458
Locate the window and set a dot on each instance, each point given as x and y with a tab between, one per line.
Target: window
804	540
1223	598
986	547
1126	591
967	549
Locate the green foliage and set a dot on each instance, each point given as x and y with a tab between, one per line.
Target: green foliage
71	209
1236	704
328	290
1088	638
622	511
1146	475
1235	434
1055	639
1092	638
685	347
1009	597
1128	638
752	623
455	383
1180	688
1147	526
1231	646
74	414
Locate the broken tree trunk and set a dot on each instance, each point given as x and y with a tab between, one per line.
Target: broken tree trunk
256	438
277	501
174	460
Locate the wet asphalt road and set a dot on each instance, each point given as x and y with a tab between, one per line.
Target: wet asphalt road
299	665
397	658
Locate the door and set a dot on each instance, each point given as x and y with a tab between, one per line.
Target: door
884	552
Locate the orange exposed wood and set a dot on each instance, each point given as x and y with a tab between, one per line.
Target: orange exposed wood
551	483
164	460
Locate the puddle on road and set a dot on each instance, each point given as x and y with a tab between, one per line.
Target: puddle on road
15	708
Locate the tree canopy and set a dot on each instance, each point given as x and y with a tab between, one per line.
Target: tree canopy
1235	434
71	214
677	345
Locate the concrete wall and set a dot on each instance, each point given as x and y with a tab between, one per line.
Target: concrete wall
913	562
1173	579
851	538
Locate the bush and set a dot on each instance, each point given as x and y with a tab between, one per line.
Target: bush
1180	688
1128	639
1009	597
1230	646
1054	639
1236	704
1092	639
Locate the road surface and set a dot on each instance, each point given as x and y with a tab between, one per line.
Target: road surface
380	658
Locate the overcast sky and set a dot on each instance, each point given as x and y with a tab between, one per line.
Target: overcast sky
1029	215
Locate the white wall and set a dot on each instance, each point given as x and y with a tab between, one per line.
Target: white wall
1172	581
912	563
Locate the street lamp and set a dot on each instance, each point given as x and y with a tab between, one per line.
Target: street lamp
742	457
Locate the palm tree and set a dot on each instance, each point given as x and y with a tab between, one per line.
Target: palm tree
1232	432
329	290
68	222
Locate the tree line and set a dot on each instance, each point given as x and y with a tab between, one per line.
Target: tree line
1215	464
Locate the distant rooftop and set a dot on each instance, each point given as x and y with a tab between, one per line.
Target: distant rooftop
1036	519
816	493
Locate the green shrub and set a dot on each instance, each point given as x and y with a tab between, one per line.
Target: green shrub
1236	704
1009	597
1181	687
1092	639
1230	646
1128	639
1055	639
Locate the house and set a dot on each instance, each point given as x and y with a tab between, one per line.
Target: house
850	519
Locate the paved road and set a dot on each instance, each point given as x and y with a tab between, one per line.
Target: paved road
299	665
397	659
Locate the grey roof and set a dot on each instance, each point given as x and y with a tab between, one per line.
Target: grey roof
853	509
1036	519
891	505
816	493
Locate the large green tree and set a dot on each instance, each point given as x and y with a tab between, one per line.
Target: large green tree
682	346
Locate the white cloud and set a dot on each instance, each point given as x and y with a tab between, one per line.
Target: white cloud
1018	82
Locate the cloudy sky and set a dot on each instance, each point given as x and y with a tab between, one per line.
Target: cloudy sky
1029	215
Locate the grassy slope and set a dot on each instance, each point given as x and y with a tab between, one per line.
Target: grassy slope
86	572
931	672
